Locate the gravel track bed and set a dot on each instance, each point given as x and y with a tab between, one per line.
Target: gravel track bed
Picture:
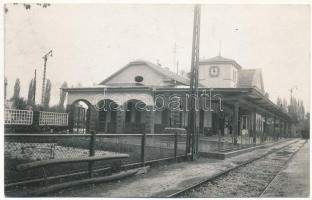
247	181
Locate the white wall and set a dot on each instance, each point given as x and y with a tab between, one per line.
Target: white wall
119	97
224	80
73	96
150	77
258	83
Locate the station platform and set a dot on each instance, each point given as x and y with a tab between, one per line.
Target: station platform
165	179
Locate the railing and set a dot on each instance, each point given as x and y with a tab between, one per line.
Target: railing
53	119
28	117
142	148
225	142
18	117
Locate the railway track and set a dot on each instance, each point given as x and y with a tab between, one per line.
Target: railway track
248	179
277	174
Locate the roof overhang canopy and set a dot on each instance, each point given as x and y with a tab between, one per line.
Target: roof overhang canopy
249	98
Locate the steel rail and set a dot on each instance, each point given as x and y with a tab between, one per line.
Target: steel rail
285	165
222	173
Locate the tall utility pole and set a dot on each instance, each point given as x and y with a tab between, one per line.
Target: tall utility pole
45	58
192	135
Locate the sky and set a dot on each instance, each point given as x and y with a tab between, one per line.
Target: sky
92	41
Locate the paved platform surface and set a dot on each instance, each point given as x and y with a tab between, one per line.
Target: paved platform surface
163	180
294	180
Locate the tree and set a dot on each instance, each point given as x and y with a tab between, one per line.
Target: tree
31	93
279	102
17	89
285	105
301	111
62	96
292	109
296	110
47	95
19	103
54	108
306	127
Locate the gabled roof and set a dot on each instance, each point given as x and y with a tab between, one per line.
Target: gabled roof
163	71
219	60
247	78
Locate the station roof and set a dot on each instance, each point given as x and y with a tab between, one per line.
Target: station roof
248	78
220	60
162	70
249	98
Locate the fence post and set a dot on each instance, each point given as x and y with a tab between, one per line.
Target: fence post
143	149
175	145
92	152
36	119
219	140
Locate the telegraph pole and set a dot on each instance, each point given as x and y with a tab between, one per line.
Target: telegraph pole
45	58
192	135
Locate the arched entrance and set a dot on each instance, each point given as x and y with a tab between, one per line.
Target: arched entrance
107	116
79	113
135	118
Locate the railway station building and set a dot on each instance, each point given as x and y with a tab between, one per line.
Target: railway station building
143	97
